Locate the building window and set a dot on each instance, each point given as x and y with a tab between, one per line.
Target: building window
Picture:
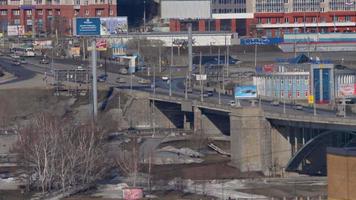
29	12
49	12
76	12
58	11
99	12
40	12
86	12
286	20
3	12
16	12
111	12
17	21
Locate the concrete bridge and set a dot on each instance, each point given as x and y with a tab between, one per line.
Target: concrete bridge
261	140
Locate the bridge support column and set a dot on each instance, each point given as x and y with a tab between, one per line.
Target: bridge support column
187	124
197	119
248	140
208	127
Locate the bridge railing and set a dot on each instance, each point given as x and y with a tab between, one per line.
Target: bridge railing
321	119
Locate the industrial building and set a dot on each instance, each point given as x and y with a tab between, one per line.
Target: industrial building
271	18
300	79
341	173
51	15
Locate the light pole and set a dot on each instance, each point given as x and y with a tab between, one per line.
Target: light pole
170	71
201	79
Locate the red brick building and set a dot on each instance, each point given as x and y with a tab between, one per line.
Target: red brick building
51	15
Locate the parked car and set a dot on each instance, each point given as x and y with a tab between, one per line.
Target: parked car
120	80
16	62
144	81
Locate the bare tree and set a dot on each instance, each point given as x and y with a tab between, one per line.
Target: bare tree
128	160
59	156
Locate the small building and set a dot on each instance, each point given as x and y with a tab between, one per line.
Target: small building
301	78
341	173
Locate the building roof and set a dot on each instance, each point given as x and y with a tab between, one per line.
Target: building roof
347	151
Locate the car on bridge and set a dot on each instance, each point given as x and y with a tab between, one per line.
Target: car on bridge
44	61
298	107
275	103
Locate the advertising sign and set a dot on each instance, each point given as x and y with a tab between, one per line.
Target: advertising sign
118	49
15	30
201	77
74	51
132	193
42	44
347	90
246	92
87	26
268	68
101	45
113	25
260	41
310	99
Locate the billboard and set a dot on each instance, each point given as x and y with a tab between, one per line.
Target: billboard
132	193
101	45
201	77
15	30
347	90
118	49
87	26
113	25
185	9
42	44
246	92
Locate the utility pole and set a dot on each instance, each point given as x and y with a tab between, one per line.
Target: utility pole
160	58
219	86
190	54
144	16
228	60
95	95
33	11
170	71
201	78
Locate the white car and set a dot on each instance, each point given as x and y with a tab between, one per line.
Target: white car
79	68
165	78
232	103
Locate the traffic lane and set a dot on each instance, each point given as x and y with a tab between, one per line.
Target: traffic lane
19	71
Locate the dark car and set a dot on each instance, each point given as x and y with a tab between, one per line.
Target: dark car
102	78
44	61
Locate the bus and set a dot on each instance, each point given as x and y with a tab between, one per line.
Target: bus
26	52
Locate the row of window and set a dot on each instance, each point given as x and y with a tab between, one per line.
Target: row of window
229	1
306	19
98	12
235	10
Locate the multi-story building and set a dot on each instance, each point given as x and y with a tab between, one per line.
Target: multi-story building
273	18
51	15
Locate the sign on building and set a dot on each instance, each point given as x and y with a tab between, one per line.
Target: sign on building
260	41
347	90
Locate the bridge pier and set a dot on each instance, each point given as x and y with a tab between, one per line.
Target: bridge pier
248	133
197	119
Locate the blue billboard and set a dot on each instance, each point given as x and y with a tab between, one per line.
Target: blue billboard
87	26
246	92
260	41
